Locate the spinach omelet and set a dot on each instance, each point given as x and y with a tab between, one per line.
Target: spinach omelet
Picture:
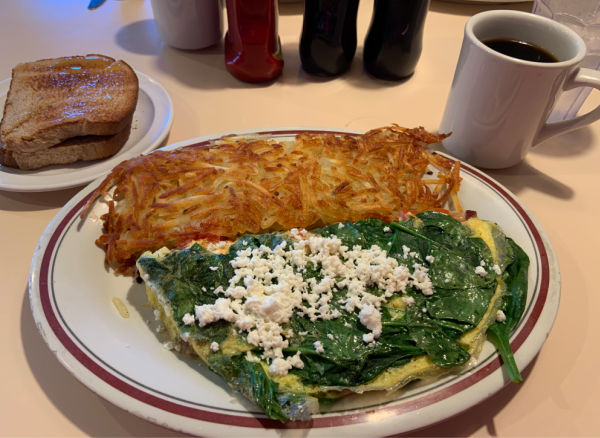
291	319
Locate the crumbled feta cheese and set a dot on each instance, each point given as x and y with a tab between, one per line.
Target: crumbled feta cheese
245	322
430	258
330	336
276	308
386	229
421	280
319	347
205	314
370	317
497	269
479	270
340	225
297	233
279	367
500	316
222	310
407	252
216	247
213	268
295	361
188	319
268	287
408	300
214	346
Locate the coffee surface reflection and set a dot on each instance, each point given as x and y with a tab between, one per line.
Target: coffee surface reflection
520	50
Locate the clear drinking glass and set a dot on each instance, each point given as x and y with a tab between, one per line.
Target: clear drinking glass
583	16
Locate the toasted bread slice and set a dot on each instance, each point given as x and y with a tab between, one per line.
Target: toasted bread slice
89	147
52	100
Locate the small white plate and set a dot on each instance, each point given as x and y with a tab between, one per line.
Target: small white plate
124	361
152	121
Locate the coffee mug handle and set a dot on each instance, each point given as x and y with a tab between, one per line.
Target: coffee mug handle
583	77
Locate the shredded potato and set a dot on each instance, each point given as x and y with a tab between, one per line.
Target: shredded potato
236	186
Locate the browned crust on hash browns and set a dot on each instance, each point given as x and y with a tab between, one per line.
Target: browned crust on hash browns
238	186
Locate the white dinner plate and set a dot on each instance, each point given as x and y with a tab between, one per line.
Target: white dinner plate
152	121
124	359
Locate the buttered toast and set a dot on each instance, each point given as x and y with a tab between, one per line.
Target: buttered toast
85	148
61	102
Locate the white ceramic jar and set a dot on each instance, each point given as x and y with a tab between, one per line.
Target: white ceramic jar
188	24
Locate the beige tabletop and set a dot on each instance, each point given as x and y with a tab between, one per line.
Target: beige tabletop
558	182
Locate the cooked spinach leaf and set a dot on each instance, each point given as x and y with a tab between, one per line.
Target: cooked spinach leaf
513	306
466	305
347	360
251	379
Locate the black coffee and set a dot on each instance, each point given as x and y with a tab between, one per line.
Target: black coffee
520	49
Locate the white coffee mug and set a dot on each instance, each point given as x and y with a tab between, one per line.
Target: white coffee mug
498	105
188	24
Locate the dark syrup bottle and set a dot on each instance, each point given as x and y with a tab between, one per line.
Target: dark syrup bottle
395	38
252	46
328	40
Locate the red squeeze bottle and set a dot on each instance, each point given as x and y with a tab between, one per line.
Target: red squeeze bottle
252	46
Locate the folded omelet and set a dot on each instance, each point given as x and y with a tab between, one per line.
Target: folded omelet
291	319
